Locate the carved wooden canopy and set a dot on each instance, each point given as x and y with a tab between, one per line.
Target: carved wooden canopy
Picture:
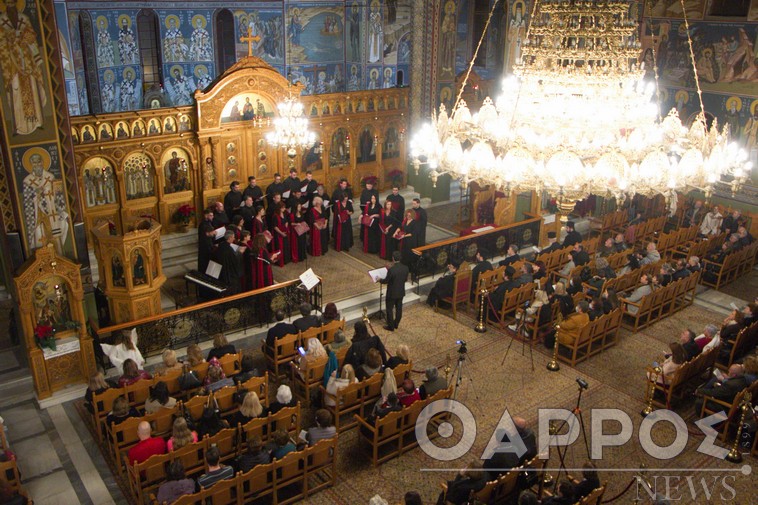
44	263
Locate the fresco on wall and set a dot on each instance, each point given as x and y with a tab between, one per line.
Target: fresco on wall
354	80
245	107
673	9
122	90
268	26
67	58
752	14
396	29
115	38
448	40
516	31
80	102
180	84
353	36
315	33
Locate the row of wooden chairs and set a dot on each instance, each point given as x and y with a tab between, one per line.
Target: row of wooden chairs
305	379
293	478
9	473
699	246
286	348
512	300
665	243
661	303
594	338
736	264
146	477
608	222
681	380
359	397
744	343
395	433
645	231
713	405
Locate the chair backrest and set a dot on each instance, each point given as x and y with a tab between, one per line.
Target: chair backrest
201	370
290	468
462	287
257	483
152	471
224	398
192	457
163	421
259	385
195	405
226	442
255	427
329	329
388	427
373	386
102	404
171	378
314	371
594	498
193	499
402	371
230	364
287	419
223	493
138	393
286	348
322	453
9	473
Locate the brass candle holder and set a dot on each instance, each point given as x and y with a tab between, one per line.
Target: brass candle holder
553	365
480	326
365	314
734	455
657	371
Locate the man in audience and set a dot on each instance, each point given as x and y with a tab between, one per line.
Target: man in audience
501	462
570	328
565	494
619	243
680	271
527	274
253	190
750	311
731	222
216	471
687	339
724	389
572	236
705	339
695	214
482	265
233	199
606	249
497	298
745	237
307	320
422	219
432	384
279	330
324	427
511	256
642	290
711	222
147	445
552	243
445	285
651	255
579	257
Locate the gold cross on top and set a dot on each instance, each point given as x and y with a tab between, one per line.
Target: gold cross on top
250	39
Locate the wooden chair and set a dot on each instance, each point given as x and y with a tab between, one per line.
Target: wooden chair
198	498
320	465
102	405
230	364
287	419
192	457
162	421
306	378
171	378
146	477
328	330
257	484
223	492
289	478
224	399
461	290
594	498
284	351
121	438
194	406
258	385
226	441
712	405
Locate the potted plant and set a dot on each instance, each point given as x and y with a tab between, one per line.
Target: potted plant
396	176
369	179
45	336
183	215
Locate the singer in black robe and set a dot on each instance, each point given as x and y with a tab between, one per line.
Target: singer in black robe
410	240
298	243
389	221
343	225
371	235
231	266
366	195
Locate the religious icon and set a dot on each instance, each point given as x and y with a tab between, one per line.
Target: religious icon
108	91
174	46
139	276
45	211
387	78
375	32
354	28
122	130
180	87
449	31
184	123
176	173
339	154
130	90
117	271
203	77
296	27
74	136
200	41
391	146
154	128
733	108
106	132
51	304
105	54
373	82
516	34
169	125
127	43
87	134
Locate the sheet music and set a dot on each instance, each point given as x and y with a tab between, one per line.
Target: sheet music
286	194
235	247
483	228
378	274
327	204
219	233
214	269
304	189
309	279
306	204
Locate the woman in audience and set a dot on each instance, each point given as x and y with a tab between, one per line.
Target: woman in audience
335	384
750	369
283	399
433	383
589	482
340	341
539	270
124	349
210	422
256	455
247	369
282	444
159	399
132	374
181	435
732	325
382	408
408	394
610	300
250	409
97	385
361	343
170	363
216	378
596	308
403	357
372	365
176	485
315	353
566	302
220	347
671	364
194	355
575	285
468	480
330	313
121	411
324	427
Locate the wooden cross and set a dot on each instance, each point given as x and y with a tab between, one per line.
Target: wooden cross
250	39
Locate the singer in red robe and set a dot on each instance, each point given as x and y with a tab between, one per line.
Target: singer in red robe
262	275
319	228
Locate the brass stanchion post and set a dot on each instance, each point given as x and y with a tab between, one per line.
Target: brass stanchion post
553	365
480	326
734	455
657	371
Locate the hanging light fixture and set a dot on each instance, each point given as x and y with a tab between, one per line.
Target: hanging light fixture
291	128
577	118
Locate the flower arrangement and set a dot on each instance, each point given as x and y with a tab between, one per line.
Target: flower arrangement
111	228
369	179
45	336
184	213
396	176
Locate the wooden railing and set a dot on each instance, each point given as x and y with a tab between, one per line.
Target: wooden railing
199	322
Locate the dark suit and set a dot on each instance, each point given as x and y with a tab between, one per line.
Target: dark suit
481	267
306	322
692	349
397	275
580	257
572	237
725	392
508	260
422	220
278	331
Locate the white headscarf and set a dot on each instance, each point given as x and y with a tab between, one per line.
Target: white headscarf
389	385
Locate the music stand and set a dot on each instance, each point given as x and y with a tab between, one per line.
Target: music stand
379	314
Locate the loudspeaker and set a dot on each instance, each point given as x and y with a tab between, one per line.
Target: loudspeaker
80	239
16	250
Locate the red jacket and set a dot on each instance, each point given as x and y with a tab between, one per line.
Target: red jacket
146	448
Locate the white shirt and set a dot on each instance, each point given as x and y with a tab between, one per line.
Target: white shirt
119	353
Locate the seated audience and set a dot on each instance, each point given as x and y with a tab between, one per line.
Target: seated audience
619	243
159	399
572	236
181	435
361	343
382	408
680	270
589	482
687	339
665	274
279	330
500	462
711	222
216	378
731	223
641	291
534	310
283	399
482	265
610	300
468	480
307	320
330	313
672	363
194	355
498	296
745	237
121	411
651	255
709	338
750	313
340	341
169	362
563	298
403	357
445	285
220	347
324	427
722	388
132	374
336	383
606	249
693	264
315	353
97	385
574	285
596	308
210	422
750	369
216	471
527	497
527	274
147	445
247	369
565	495
372	365
511	256
125	348
432	383
176	485
570	328
282	445
552	243
408	393
250	409
256	454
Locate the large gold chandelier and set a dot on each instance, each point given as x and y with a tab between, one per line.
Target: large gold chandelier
576	118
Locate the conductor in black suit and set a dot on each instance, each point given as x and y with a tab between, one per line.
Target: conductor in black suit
397	274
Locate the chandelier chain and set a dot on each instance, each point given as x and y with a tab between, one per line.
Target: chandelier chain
692	57
648	4
476	52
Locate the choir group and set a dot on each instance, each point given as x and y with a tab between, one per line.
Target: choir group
251	230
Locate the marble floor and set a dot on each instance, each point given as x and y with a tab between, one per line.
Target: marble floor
58	460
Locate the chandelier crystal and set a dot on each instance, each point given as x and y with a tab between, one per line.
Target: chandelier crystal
291	127
577	118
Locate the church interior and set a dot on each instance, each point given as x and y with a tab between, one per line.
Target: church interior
378	251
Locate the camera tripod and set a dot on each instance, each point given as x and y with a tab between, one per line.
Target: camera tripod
458	371
570	423
520	329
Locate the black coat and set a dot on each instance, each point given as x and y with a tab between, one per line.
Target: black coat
217	352
356	354
397	275
306	322
231	267
572	237
278	331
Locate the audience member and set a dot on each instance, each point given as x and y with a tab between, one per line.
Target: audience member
527	497
372	365
482	265
711	224
250	409
468	480
306	319
247	369
97	385
121	411
610	300
282	444
640	292
566	303
181	435
220	347
445	285
590	481
147	445
432	383
283	399
216	471
216	379
680	270
723	388
693	264
361	343
511	256
651	255
412	498
176	485
279	330
340	341
132	374
194	355
572	236
210	422
324	427
391	404
159	399
408	393
336	383
570	328
315	353
501	462
124	349
402	357
565	495
672	363
709	338
330	313
619	243
256	454
170	363
687	339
